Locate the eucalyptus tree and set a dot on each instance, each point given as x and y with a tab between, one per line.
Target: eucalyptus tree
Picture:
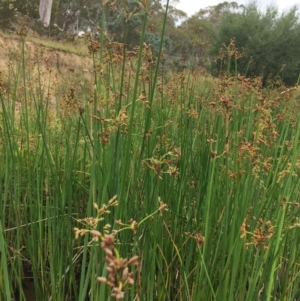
194	33
153	35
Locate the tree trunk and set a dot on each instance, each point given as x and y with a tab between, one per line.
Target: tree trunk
45	11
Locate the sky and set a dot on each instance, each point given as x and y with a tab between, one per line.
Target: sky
192	6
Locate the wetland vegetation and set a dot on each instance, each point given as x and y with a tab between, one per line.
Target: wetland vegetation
133	182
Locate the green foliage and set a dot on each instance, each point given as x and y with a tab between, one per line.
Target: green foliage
154	39
272	42
216	160
193	35
69	17
268	41
205	174
124	22
10	9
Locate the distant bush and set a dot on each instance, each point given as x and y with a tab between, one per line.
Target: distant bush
271	41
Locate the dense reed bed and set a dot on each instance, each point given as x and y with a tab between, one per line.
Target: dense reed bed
137	188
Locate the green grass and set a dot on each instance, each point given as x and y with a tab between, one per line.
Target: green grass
205	175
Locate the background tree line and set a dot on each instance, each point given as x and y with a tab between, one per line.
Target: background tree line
266	43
